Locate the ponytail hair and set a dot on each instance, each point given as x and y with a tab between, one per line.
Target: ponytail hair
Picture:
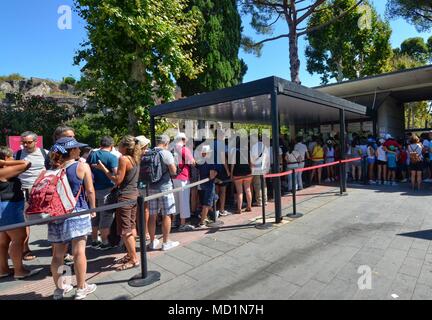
133	147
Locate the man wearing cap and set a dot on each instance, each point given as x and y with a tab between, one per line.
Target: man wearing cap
165	204
183	156
103	185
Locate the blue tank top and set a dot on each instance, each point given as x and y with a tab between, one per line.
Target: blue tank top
391	160
75	184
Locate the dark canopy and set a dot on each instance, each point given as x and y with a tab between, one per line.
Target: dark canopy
251	103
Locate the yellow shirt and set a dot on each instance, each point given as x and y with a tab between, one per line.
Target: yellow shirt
317	153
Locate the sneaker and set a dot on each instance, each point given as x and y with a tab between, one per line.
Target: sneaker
96	244
225	213
186	227
371	182
169	245
68	258
82	293
59	294
201	226
404	180
153	245
105	246
327	180
394	183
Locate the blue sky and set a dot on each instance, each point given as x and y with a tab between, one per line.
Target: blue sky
33	45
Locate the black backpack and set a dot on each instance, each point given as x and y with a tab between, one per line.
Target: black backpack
152	167
44	154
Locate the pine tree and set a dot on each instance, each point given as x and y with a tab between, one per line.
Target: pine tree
216	45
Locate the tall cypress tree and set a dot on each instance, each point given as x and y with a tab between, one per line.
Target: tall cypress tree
217	43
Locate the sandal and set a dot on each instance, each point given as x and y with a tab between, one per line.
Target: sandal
29	274
147	237
248	209
28	256
124	259
127	266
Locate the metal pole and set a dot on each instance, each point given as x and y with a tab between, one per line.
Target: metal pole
342	149
293	186
295	214
152	131
275	145
262	199
145	277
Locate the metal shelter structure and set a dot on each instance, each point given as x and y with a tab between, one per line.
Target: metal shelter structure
269	101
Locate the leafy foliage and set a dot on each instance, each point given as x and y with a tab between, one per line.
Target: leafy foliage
417	49
11	77
69	80
266	13
343	50
416	12
135	50
217	43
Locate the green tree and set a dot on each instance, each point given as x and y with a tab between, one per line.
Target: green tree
417	48
416	12
265	13
69	80
217	43
417	114
345	50
135	50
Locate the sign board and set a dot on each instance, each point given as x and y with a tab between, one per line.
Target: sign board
14	142
354	127
368	126
326	128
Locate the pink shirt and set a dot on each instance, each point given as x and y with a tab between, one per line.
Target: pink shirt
187	156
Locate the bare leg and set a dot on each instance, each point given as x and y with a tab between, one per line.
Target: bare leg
59	250
419	179
239	194
4	252
17	237
152	226
319	175
130	244
80	261
166	227
248	191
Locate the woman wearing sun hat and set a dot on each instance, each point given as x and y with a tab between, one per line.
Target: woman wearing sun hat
75	229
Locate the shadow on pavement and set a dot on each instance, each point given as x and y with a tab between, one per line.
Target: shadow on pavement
424	234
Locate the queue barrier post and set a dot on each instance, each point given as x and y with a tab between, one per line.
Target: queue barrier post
146	277
264	225
294	214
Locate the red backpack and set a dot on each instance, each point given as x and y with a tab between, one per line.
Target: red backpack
51	195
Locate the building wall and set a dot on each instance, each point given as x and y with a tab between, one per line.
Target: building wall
391	118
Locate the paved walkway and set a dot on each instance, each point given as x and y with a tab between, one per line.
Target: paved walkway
314	257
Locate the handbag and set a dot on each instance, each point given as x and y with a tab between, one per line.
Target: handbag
112	197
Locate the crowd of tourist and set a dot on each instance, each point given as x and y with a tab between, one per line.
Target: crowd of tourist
110	174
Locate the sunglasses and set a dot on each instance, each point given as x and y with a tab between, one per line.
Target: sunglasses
27	142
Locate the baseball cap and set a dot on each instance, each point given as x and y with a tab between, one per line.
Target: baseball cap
70	143
180	135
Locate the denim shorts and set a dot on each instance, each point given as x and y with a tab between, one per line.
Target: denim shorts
11	212
208	194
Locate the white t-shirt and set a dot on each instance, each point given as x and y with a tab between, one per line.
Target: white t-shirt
302	150
381	154
260	159
37	161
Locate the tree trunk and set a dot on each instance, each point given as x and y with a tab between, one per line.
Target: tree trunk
294	57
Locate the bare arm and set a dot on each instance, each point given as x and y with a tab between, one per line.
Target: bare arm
118	173
172	169
13	168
